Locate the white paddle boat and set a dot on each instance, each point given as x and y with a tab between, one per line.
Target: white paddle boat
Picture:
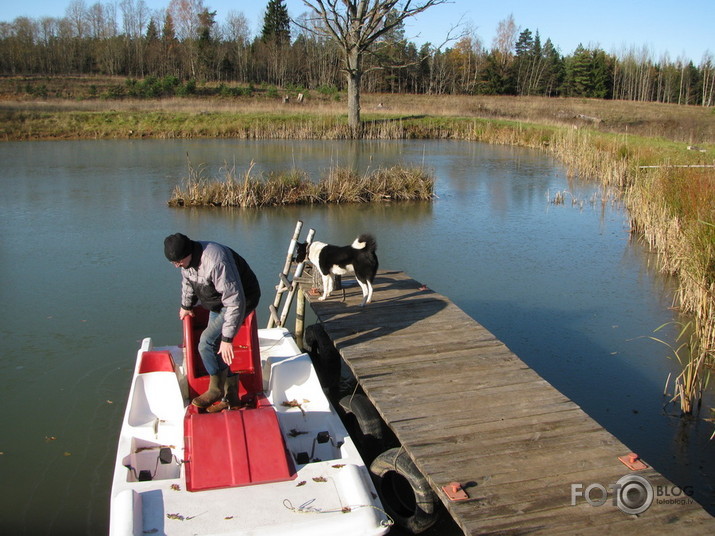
282	464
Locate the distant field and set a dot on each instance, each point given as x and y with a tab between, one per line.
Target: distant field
686	124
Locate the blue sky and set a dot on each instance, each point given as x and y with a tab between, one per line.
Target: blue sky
662	26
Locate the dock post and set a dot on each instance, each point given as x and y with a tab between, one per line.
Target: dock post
299	318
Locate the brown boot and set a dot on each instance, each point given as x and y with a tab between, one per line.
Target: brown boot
230	398
214	392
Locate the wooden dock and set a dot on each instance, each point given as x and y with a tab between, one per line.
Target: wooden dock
467	410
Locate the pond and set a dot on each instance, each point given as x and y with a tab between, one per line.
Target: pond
84	279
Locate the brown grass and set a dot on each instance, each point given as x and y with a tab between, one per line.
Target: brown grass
340	185
685	124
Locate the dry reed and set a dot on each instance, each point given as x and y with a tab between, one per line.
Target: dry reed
340	185
694	376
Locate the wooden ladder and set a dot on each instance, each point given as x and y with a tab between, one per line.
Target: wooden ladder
285	285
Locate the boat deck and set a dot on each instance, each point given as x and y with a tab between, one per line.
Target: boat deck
466	409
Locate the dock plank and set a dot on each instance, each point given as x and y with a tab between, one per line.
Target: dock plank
467	409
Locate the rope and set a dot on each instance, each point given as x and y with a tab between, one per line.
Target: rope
399	452
306	508
354	392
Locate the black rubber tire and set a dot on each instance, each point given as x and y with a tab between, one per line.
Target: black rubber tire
326	358
404	492
368	431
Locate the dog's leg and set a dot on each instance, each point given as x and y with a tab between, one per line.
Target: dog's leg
366	292
327	287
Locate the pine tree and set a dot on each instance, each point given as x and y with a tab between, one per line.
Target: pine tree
524	61
578	73
601	78
206	46
588	74
553	75
152	33
276	23
170	46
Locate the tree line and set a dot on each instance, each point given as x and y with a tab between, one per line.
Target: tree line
185	42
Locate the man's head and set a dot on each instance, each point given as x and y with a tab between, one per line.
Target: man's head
177	248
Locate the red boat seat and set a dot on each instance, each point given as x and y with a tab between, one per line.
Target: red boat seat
153	361
246	361
235	448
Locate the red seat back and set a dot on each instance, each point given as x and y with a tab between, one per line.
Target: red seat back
246	361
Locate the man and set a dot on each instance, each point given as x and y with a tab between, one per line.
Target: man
221	280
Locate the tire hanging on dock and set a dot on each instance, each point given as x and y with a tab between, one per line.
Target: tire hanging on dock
323	354
404	492
369	436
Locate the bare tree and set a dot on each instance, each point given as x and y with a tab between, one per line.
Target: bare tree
355	25
707	70
185	16
76	14
237	34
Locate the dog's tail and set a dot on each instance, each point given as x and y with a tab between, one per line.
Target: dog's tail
365	242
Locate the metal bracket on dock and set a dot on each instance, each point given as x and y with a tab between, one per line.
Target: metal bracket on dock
633	461
455	492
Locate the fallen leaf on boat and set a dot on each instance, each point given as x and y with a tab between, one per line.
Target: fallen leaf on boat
301	483
320	479
338	466
347	510
228	517
176	487
293	404
175	516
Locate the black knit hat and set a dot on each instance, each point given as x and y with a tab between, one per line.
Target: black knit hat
177	247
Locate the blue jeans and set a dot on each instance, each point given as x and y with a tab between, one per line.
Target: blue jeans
210	342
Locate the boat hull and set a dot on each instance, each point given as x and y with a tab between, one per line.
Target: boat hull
282	465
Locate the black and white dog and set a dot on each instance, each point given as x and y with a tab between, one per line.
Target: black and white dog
359	258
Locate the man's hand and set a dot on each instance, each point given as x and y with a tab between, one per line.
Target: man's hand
226	352
185	312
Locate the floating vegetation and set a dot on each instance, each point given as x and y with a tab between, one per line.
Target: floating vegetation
294	187
605	197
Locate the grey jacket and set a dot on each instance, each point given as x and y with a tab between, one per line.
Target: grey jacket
213	279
